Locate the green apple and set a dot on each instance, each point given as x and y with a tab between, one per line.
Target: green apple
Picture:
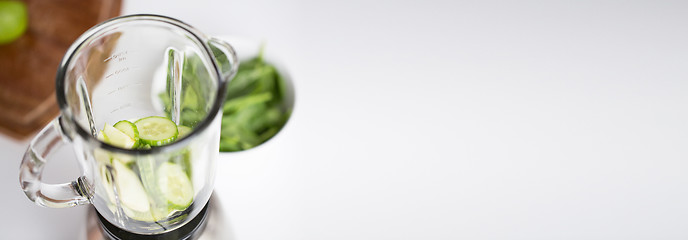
13	20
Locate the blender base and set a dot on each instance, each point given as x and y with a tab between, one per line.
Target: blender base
191	230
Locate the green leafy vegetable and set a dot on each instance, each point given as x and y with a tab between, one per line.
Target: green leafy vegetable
254	110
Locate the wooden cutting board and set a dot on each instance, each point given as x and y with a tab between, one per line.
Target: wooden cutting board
29	64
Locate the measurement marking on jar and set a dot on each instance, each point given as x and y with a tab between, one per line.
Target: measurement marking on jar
119	57
123	87
121	107
118	71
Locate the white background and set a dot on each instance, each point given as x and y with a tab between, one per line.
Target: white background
445	120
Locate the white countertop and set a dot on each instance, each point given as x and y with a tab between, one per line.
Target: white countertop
446	120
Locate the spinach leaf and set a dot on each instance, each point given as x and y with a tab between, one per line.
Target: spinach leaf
254	110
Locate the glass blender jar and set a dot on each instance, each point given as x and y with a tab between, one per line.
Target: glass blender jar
129	68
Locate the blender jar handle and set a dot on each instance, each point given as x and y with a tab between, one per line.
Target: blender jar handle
228	69
42	146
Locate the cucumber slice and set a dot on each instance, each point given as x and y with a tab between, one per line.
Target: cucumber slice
129	129
157	131
183	131
117	138
130	191
175	185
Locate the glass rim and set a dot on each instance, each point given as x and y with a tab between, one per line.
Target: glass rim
65	112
